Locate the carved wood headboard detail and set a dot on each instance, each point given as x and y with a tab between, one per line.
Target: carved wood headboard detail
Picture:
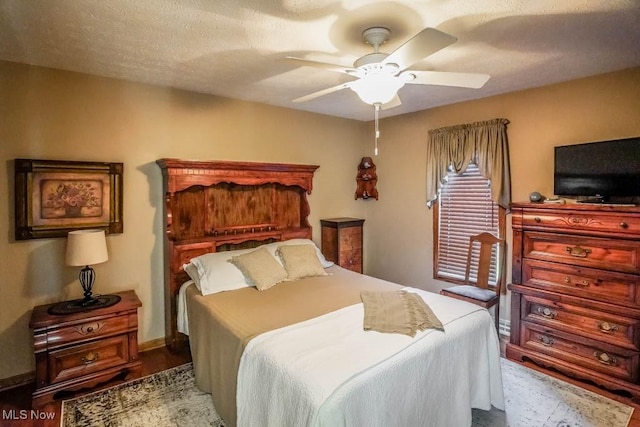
211	206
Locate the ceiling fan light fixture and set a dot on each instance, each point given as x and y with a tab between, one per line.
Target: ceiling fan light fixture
377	91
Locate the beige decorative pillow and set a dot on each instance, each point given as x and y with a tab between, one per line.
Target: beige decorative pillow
300	261
260	268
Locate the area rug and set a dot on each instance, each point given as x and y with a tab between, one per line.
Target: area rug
533	399
170	398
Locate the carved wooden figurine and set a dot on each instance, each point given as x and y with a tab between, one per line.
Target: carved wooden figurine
366	179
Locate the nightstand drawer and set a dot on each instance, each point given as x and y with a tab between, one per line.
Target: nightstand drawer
79	360
88	330
583	222
606	286
616	255
596	356
351	238
351	260
598	325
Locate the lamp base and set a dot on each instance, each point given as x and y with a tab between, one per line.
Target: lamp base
84	304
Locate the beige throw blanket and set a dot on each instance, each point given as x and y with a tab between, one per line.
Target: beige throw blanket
398	312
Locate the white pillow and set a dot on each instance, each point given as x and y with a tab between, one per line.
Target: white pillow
273	247
213	273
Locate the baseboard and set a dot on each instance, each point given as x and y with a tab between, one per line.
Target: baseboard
151	345
29	377
17	381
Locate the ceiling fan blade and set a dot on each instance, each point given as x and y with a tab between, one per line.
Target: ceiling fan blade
423	44
323	92
443	78
395	102
323	65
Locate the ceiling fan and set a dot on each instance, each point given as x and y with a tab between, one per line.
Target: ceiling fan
379	75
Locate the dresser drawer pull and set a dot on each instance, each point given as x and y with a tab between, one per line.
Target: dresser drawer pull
90	358
547	312
605	359
578	252
624	225
607	328
546	341
581	284
537	219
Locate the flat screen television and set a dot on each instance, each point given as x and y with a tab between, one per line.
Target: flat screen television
606	171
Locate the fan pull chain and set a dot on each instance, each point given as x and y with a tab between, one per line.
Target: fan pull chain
377	134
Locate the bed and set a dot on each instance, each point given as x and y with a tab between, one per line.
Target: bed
296	353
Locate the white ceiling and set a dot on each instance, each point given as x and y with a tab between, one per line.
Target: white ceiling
236	48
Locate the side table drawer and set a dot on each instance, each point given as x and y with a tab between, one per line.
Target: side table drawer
616	255
79	360
613	361
598	325
351	238
88	330
351	260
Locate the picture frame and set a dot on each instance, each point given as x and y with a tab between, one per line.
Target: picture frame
53	197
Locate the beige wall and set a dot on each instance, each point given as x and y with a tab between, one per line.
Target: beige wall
47	114
51	114
399	225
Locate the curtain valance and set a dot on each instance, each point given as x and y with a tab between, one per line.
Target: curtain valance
483	143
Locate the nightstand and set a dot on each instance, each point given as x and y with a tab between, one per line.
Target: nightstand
81	350
342	242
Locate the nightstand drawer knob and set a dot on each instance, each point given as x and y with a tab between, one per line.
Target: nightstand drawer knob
90	358
90	328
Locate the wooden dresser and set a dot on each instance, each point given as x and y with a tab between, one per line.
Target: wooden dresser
81	350
576	291
342	242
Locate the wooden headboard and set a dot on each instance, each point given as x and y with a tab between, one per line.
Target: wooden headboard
219	205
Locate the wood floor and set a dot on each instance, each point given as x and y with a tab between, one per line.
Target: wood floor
16	403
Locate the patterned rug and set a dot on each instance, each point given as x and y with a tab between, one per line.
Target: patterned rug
170	398
533	399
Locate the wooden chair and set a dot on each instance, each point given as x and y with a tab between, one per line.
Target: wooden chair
479	293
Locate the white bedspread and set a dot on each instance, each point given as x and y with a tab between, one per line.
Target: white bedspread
327	371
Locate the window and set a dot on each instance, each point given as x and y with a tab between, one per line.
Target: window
464	208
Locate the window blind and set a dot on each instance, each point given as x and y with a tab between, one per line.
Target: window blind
465	209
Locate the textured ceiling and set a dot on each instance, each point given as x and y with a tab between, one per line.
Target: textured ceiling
236	48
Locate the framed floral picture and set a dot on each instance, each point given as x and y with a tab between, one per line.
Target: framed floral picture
53	197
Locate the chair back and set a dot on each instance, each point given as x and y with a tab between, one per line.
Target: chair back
487	241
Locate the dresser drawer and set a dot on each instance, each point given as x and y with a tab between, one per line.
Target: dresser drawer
88	330
599	357
606	286
78	360
583	222
598	325
615	255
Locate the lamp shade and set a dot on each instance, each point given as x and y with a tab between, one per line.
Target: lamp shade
86	247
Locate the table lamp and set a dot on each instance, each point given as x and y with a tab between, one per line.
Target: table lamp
86	248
